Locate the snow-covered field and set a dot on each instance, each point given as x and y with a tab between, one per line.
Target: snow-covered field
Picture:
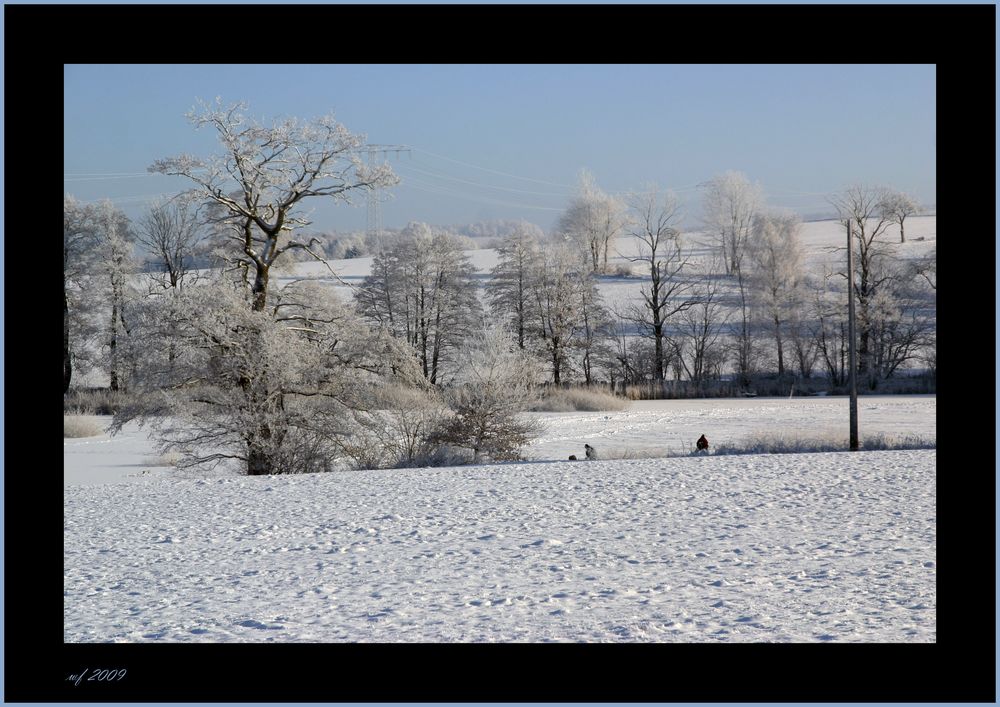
803	547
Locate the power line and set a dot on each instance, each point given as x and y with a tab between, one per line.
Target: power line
494	171
485	186
445	191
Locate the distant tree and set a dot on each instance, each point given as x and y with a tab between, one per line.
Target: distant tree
509	289
593	220
423	290
115	251
556	302
897	206
828	312
654	223
863	207
171	232
730	204
776	272
925	267
595	326
697	337
79	260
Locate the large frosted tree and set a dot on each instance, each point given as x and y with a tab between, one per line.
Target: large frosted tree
275	168
262	377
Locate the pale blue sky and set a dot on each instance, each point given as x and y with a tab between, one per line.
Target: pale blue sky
507	141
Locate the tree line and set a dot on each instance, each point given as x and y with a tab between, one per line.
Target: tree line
426	363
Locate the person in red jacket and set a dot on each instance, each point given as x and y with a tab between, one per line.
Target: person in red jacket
702	444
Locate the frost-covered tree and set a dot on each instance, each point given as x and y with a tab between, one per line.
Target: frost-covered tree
897	206
275	169
592	220
259	376
654	224
423	290
273	390
115	250
863	207
509	289
79	260
593	342
496	382
776	273
731	201
556	302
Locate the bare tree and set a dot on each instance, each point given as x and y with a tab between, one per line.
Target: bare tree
897	206
828	310
654	223
697	338
776	272
925	268
862	206
172	233
275	168
730	204
593	220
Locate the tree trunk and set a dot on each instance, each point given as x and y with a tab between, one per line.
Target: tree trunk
902	235
658	338
67	358
781	355
113	345
258	462
260	288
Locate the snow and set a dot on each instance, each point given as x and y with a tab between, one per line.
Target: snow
799	547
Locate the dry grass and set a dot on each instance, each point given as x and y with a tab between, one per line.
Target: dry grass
578	400
79	426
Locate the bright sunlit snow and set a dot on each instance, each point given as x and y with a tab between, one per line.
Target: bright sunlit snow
799	547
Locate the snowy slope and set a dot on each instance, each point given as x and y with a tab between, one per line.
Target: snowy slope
646	426
822	547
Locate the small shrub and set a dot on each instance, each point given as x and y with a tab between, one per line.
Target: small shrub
578	400
168	459
76	426
93	401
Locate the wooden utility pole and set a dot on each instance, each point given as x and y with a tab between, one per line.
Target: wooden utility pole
852	382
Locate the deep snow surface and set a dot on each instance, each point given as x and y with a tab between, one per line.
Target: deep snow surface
802	547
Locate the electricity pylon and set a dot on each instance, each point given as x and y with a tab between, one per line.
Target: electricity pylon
374	225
